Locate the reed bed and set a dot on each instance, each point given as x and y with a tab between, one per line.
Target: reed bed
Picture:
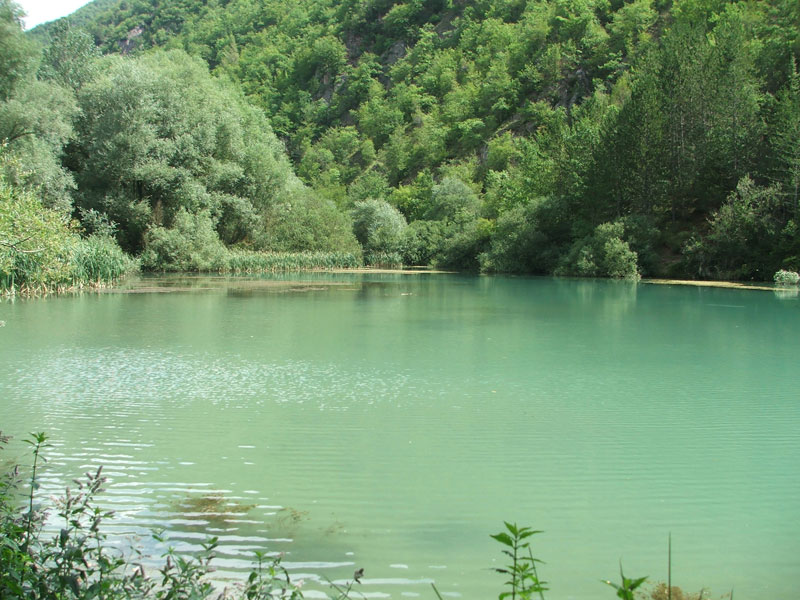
99	259
237	260
244	261
91	262
384	260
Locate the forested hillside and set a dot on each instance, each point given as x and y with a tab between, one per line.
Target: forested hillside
582	137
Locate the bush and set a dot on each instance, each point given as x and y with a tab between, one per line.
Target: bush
36	243
518	244
750	236
190	245
422	242
379	227
452	200
303	222
783	277
602	254
462	249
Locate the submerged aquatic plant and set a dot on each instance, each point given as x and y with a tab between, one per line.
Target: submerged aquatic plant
212	504
77	562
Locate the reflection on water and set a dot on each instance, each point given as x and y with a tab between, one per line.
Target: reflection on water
392	422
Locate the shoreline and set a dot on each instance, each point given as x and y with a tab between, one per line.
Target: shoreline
761	287
114	287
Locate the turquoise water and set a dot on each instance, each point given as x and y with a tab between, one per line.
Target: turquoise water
392	422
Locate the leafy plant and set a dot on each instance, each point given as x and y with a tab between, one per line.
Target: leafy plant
627	587
77	563
784	277
524	579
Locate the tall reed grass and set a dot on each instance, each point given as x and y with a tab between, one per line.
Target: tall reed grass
244	261
236	260
98	259
385	260
75	263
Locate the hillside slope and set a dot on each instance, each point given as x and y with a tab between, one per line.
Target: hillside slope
590	137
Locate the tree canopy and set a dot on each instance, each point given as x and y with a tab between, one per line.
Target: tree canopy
588	137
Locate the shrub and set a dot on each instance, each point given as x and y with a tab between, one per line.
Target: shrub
749	236
452	200
602	254
462	249
422	242
783	277
379	227
190	245
518	244
304	222
36	243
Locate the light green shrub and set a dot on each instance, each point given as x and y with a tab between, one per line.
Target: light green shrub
36	243
784	277
379	227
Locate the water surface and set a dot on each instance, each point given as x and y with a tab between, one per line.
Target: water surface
392	422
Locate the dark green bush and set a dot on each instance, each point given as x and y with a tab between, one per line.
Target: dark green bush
750	236
602	254
525	240
191	244
423	241
462	249
305	222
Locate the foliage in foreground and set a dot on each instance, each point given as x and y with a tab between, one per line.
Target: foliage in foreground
75	562
61	552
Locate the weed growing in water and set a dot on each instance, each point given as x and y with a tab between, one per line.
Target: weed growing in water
524	580
628	586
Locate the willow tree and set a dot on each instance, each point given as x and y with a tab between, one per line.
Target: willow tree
158	134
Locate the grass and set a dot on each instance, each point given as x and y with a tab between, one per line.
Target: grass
95	261
245	261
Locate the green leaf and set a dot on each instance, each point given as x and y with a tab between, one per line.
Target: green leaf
503	538
528	532
632	585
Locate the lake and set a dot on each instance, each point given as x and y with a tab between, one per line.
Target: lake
393	421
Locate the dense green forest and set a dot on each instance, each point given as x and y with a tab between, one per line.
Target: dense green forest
577	137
